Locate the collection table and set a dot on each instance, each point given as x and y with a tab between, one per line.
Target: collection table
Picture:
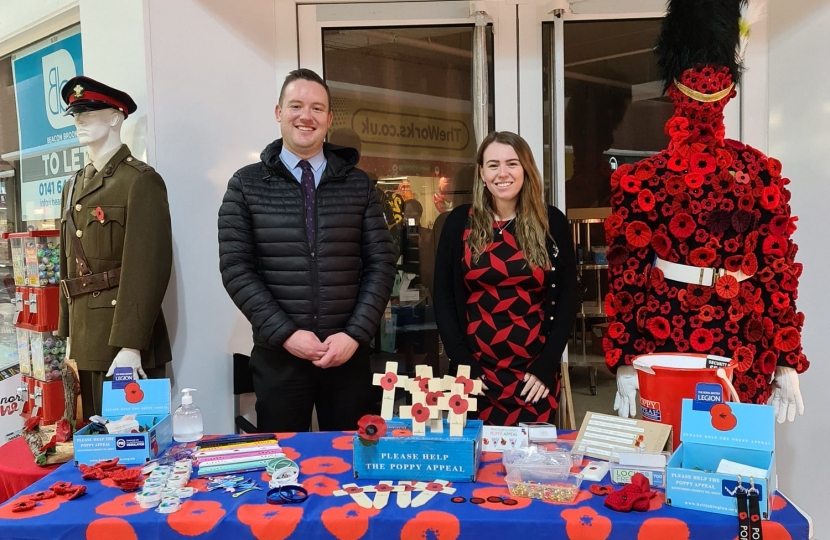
105	512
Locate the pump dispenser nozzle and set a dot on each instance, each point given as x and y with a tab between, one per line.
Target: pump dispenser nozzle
187	399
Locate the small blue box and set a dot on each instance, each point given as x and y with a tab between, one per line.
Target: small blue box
152	409
751	441
435	456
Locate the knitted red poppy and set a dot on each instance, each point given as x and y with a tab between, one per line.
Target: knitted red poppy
646	200
701	340
630	184
659	327
638	234
787	339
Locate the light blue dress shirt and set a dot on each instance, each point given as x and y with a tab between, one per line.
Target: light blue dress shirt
291	162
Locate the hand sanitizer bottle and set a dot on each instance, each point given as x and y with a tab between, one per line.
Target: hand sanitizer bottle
187	420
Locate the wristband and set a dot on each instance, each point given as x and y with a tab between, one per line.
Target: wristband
290	494
185	492
279	463
284	476
148	499
169	505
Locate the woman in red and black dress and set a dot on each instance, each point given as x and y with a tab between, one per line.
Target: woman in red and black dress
505	286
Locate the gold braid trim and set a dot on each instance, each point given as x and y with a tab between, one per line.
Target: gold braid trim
700	96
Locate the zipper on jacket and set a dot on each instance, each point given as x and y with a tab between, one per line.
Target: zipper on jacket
312	246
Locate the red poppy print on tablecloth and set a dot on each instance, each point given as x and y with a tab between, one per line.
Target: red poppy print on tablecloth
324	465
196	517
41	508
320	485
109	528
663	528
431	524
585	523
344	442
491	474
349	522
270	522
122	505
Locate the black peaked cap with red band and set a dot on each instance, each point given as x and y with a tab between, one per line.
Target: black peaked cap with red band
83	94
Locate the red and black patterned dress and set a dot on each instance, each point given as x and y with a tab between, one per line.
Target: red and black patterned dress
505	313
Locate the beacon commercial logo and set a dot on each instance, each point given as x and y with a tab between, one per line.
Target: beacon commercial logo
58	67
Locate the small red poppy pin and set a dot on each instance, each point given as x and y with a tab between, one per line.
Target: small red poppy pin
98	214
370	429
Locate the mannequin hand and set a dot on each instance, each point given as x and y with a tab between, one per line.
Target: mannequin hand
786	394
130	358
341	348
304	344
68	355
627	385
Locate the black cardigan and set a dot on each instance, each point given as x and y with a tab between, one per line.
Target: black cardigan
451	295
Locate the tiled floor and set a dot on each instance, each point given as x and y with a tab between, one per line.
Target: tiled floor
603	402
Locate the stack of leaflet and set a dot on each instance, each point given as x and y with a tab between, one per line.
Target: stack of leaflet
236	454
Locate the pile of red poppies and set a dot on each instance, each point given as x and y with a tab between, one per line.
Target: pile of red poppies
59	489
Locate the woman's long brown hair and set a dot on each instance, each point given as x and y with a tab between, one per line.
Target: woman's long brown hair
532	228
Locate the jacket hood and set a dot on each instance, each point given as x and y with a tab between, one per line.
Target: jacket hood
339	159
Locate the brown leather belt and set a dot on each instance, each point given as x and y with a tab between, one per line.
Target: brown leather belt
87	282
90	283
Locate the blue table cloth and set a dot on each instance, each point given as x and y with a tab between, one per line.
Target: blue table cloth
105	512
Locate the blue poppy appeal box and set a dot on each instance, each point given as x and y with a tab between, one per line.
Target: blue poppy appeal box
740	433
149	401
435	456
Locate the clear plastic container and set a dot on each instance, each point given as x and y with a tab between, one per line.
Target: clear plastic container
539	484
19	260
577	454
42	261
47	354
537	458
621	474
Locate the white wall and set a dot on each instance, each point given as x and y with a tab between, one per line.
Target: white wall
214	88
25	21
799	135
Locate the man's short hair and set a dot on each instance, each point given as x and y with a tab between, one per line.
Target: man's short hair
306	75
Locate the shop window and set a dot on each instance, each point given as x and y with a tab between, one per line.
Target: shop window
403	98
38	153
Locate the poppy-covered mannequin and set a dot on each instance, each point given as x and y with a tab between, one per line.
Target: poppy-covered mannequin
705	202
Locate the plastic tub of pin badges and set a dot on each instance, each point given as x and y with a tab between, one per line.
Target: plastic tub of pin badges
540	484
535	457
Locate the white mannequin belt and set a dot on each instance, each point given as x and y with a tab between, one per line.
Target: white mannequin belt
695	275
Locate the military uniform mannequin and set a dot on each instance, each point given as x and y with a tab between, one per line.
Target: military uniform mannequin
118	214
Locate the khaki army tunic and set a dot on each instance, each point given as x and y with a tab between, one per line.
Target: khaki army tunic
123	220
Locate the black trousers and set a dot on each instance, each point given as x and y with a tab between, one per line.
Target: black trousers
288	388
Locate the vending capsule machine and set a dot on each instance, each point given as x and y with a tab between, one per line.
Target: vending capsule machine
41	353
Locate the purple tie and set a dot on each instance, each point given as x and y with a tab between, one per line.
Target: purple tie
307	181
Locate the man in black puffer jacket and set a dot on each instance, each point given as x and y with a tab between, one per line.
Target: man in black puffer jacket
306	255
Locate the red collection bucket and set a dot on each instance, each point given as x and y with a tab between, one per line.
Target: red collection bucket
666	378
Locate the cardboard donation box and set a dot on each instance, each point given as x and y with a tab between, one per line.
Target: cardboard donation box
719	442
149	401
420	458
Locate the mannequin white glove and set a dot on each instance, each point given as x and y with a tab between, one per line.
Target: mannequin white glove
130	358
627	385
786	394
68	355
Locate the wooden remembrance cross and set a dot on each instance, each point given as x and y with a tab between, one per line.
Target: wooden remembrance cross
457	402
389	381
419	411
